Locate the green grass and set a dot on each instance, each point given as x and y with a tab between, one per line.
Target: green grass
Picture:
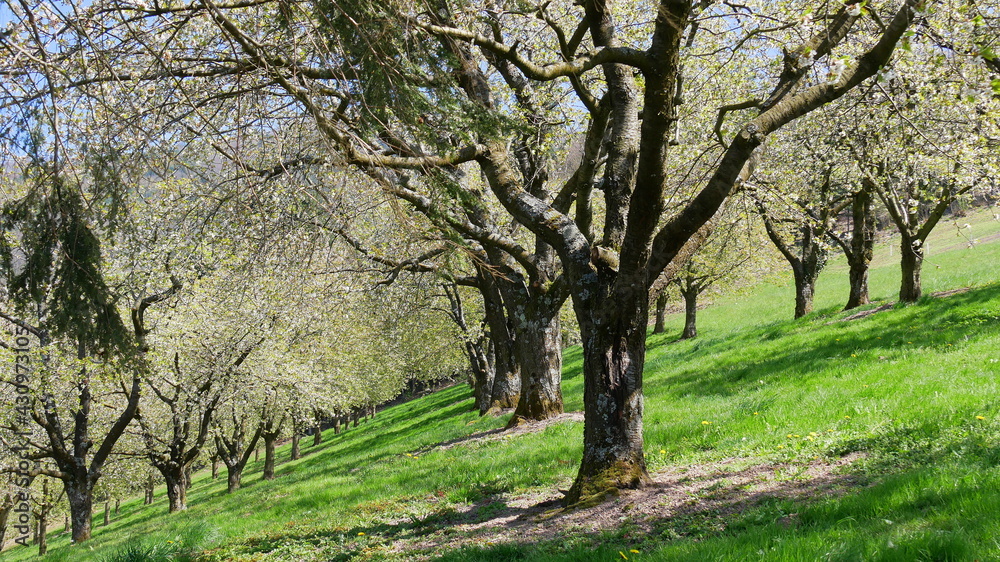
912	392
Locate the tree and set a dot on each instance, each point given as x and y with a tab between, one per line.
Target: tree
800	231
81	335
727	254
453	85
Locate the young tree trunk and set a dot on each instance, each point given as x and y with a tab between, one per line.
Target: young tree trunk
862	247
215	467
118	504
539	352
661	313
235	453
150	489
911	253
43	523
690	313
336	426
805	288
296	450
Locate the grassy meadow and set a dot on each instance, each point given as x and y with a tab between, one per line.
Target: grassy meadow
886	428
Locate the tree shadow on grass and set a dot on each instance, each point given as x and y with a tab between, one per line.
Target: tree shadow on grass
932	322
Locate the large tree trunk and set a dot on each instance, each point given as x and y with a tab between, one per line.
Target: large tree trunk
911	252
176	487
805	289
318	432
661	313
269	441
506	389
235	477
8	506
296	449
482	364
81	503
614	355
539	350
690	313
862	247
806	271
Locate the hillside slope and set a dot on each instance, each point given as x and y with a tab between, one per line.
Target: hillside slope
827	438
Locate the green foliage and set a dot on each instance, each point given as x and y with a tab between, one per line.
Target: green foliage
403	78
56	266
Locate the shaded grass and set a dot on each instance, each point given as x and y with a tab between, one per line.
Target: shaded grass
912	390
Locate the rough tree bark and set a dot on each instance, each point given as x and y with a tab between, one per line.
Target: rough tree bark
862	247
690	295
661	313
270	431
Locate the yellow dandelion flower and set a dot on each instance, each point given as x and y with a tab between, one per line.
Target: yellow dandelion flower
663	452
781	446
623	555
756	413
810	437
796	436
706	423
854	355
789	436
980	418
634	551
814	434
361	534
847	417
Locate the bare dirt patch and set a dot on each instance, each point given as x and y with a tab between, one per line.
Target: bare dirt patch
709	493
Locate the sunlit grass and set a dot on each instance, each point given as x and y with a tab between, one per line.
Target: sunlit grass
912	392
